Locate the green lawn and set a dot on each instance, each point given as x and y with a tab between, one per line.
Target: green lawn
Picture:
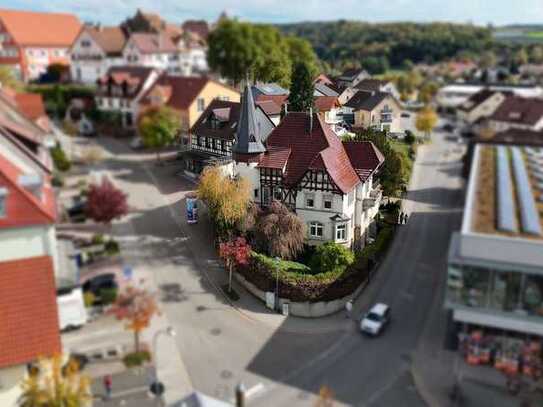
535	34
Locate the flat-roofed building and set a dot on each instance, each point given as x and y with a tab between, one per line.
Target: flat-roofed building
495	264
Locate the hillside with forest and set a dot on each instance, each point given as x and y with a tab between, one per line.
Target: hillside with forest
378	47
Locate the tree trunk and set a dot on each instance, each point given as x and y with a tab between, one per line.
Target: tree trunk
136	341
230	276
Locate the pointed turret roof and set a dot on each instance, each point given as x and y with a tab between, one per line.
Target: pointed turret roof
248	138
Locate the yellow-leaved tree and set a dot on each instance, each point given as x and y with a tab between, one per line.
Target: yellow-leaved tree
52	384
426	121
227	199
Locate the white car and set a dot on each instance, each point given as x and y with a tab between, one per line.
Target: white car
376	319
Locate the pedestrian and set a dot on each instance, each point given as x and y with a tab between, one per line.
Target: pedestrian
107	385
405	219
348	308
400	218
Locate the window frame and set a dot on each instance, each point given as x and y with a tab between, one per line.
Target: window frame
316	227
341	232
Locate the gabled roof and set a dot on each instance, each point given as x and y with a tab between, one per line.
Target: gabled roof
40	29
151	43
515	109
364	157
279	100
178	92
371	85
367	100
318	149
134	76
325	103
111	39
200	27
270	89
325	90
351	73
29	326
22	207
269	107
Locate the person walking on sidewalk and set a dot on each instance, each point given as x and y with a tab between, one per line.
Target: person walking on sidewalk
107	385
400	221
405	217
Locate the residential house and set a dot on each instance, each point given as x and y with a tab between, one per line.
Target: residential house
191	55
30	105
154	50
213	135
145	22
330	110
479	106
121	89
28	260
351	77
272	109
454	95
518	113
31	41
302	163
198	27
378	85
324	79
322	89
188	95
95	50
377	110
495	263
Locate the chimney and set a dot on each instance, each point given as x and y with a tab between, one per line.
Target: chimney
310	120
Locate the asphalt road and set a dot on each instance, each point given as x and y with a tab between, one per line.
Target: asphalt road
288	364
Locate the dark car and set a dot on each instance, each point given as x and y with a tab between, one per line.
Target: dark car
76	213
448	128
405	115
99	285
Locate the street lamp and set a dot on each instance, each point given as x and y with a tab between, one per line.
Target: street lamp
277	263
168	331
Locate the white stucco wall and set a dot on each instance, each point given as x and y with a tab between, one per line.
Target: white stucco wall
10	379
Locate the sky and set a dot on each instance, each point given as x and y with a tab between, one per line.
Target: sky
497	12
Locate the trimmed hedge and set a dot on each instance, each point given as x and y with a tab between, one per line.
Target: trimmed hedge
297	284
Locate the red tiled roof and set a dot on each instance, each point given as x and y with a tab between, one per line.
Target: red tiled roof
278	99
515	109
319	149
110	38
29	326
269	107
150	43
199	27
275	157
364	157
31	104
179	92
22	207
325	103
41	29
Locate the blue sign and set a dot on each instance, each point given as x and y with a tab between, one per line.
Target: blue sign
192	210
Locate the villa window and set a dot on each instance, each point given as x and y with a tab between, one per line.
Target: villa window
341	232
327	202
316	229
309	201
201	104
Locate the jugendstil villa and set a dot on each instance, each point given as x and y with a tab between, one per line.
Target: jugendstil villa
302	163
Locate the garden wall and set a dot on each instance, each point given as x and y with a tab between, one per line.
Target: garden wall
306	309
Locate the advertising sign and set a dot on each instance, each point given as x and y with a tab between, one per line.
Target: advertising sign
192	209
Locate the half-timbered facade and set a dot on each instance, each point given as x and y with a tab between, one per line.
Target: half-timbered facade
303	164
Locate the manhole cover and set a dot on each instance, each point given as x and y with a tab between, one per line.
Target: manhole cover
216	331
226	374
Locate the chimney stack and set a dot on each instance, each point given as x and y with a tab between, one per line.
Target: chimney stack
310	120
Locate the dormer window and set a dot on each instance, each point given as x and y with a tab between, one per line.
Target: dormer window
3	199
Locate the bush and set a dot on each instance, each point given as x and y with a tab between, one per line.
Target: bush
112	247
409	137
60	159
108	295
331	257
89	299
57	180
135	359
98	239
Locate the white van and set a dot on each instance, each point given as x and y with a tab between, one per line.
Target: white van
71	308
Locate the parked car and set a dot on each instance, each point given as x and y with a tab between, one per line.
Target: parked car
405	115
77	212
448	128
375	320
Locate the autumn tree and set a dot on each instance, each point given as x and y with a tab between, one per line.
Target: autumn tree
52	384
227	199
301	97
105	202
280	231
159	126
426	120
8	79
136	306
234	252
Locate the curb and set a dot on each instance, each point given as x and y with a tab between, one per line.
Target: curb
420	384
